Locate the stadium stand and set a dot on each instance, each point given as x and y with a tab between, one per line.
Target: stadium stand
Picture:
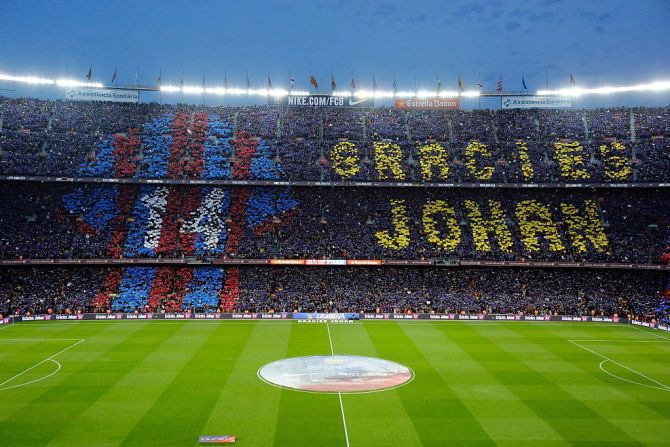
69	221
357	289
102	218
150	141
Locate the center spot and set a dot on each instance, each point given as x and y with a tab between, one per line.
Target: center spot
335	373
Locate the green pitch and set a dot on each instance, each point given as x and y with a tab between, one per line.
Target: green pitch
478	384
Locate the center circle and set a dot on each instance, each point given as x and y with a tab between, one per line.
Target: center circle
335	373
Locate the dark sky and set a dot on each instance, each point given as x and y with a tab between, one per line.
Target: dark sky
601	42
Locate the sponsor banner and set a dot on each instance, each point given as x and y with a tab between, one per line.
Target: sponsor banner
431	103
68	317
321	101
536	102
258	316
203	316
102	94
332	262
287	261
407	262
364	262
374	316
493	317
137	316
318	316
103	317
543	264
241	261
405	316
643	324
219	439
534	317
325	262
33	318
325	316
177	316
603	319
228	182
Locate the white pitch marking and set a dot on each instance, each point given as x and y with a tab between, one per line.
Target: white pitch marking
339	394
627	380
36	380
649	332
612	340
41	339
665	387
50	358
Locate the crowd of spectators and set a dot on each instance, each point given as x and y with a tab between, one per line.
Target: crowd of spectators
37	290
337	289
92	221
572	292
58	138
79	139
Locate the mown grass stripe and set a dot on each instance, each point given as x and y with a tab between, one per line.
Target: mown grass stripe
439	416
184	405
55	403
308	419
541	388
122	405
18	356
244	394
613	399
496	407
368	414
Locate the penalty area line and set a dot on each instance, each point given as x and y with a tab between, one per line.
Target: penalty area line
661	386
649	332
48	359
339	393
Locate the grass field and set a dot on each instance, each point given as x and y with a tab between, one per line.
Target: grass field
476	383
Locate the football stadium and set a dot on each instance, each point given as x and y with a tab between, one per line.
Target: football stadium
329	237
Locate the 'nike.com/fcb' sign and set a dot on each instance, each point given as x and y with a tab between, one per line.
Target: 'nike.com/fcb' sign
321	101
